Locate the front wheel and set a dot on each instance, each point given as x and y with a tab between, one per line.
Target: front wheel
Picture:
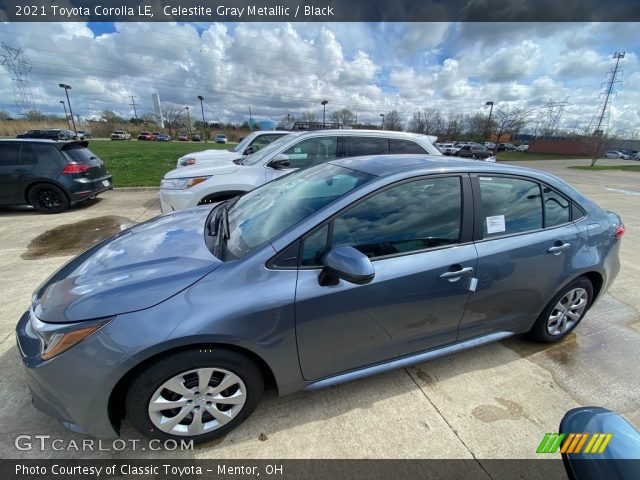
197	395
47	198
564	312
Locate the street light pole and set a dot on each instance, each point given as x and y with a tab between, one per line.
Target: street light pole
66	91
324	111
66	117
189	120
382	121
204	125
489	121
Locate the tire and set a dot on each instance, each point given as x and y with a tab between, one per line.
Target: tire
474	156
556	321
47	198
182	371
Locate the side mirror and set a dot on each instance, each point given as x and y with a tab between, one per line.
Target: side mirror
249	150
280	162
348	264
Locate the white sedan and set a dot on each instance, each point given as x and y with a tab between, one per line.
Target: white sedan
616	154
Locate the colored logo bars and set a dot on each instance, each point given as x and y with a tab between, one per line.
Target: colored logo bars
574	443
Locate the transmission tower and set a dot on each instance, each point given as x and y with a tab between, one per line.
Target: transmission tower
133	104
551	119
602	113
19	67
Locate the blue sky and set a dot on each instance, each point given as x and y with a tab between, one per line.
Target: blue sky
370	68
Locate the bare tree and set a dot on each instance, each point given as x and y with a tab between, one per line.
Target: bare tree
428	121
510	120
392	121
344	117
174	117
308	116
475	126
454	125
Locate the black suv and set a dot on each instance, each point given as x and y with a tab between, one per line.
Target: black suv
50	133
50	175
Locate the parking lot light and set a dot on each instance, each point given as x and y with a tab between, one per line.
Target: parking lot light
324	111
66	116
189	121
204	125
382	121
490	104
66	91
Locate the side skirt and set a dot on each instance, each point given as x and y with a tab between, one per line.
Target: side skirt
407	361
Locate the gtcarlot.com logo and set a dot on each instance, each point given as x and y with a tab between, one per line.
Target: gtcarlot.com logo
46	442
574	443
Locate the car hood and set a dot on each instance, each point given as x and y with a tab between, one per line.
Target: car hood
211	154
133	270
224	168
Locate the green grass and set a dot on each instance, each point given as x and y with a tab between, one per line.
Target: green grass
143	164
624	168
517	156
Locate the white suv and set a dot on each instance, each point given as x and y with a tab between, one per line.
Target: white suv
248	146
210	183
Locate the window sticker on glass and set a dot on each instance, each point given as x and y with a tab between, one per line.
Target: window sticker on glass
488	179
495	224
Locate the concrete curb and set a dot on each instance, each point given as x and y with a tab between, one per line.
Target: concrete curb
136	189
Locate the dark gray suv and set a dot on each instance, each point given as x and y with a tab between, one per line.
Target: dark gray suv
322	276
50	175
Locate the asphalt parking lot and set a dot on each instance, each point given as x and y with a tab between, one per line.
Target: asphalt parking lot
496	401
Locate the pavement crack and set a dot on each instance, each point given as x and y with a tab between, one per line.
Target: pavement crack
455	432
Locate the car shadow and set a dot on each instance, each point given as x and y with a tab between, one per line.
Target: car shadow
21	210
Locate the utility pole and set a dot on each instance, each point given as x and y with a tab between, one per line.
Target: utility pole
189	120
133	104
18	67
602	113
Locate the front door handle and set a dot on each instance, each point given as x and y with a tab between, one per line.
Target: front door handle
456	274
558	249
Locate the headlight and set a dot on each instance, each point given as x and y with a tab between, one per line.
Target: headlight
56	338
181	183
187	161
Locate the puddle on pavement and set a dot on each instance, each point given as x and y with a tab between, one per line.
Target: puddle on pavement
75	238
510	410
592	363
152	203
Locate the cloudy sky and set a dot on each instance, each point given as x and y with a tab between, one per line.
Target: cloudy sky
370	68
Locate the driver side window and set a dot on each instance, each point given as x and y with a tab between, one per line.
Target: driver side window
313	151
403	219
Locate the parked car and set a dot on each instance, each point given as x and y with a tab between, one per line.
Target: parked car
505	147
146	136
163	137
221	138
49	133
248	146
50	175
156	135
209	183
196	137
184	137
83	134
616	154
490	145
157	321
522	148
120	135
449	149
475	150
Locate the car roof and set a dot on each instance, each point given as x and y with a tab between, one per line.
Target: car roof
56	143
387	165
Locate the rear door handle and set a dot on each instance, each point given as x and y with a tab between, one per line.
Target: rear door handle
456	274
558	249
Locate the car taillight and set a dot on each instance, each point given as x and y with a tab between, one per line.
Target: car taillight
74	168
620	229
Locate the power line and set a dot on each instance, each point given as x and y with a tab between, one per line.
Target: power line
19	66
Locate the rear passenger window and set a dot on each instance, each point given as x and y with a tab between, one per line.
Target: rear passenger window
9	153
406	146
357	146
510	206
313	151
556	208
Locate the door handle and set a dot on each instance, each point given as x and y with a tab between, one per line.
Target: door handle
558	249
456	274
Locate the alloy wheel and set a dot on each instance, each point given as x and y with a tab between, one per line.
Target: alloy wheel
568	311
48	198
197	401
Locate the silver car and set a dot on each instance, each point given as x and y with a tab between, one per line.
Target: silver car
322	276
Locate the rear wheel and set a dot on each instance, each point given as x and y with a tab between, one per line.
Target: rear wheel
47	198
564	312
474	156
197	394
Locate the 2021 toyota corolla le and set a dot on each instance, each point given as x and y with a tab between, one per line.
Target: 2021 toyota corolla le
325	275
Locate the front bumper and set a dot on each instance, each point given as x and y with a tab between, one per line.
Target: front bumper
74	387
172	200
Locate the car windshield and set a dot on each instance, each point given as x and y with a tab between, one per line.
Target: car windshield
265	152
264	213
243	144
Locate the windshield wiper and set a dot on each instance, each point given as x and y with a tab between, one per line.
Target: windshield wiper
221	225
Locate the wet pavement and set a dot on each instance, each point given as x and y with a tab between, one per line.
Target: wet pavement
495	401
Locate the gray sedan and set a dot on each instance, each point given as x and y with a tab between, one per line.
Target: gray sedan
323	276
